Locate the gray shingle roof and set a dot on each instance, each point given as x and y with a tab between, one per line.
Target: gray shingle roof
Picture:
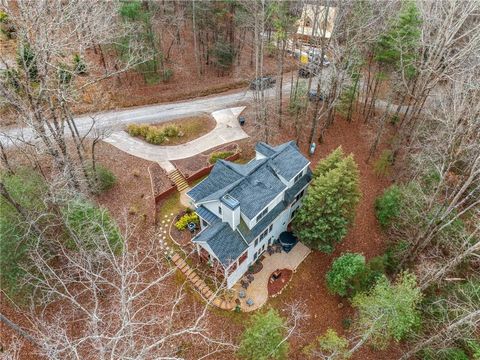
299	185
221	178
254	184
207	215
250	235
226	244
257	190
288	160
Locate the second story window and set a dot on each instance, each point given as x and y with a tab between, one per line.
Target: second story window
297	177
262	214
220	210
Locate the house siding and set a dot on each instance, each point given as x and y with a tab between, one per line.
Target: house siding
278	216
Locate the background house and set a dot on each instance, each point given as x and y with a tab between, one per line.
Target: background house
312	22
245	207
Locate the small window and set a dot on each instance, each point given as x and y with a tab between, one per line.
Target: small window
220	210
293	213
270	228
297	177
243	258
262	214
256	241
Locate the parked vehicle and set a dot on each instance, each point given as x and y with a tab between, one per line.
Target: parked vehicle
313	96
315	55
308	70
260	83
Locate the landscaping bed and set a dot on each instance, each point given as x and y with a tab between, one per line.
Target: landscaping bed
275	286
173	132
255	268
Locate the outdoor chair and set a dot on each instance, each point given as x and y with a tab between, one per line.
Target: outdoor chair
250	302
270	250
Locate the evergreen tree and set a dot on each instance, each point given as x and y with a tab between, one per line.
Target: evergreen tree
345	275
263	339
399	45
329	206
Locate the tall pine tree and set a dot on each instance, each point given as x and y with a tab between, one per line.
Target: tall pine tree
329	206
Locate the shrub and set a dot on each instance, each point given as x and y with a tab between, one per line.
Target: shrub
345	275
263	338
444	354
182	223
473	347
330	344
171	131
219	155
383	165
167	74
155	136
389	311
152	134
394	253
133	129
104	178
79	65
91	227
27	188
387	205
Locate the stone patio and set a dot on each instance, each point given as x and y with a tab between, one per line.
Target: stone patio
257	291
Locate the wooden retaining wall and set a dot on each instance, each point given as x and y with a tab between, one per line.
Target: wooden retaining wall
206	170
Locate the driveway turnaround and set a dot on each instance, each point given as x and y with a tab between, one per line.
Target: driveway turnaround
227	130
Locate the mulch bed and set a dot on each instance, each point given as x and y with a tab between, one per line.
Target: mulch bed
182	237
276	285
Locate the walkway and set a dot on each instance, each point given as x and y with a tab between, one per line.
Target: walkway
200	286
258	289
227	130
191	275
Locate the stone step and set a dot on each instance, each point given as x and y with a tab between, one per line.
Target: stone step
188	272
205	290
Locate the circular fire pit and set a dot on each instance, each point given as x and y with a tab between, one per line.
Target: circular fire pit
277	281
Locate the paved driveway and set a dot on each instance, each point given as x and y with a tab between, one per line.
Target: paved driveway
227	130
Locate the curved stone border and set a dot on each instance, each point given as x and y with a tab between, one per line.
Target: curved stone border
284	286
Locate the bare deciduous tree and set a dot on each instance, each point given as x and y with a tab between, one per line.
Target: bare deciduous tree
47	82
120	300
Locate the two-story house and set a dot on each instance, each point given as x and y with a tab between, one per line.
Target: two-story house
243	208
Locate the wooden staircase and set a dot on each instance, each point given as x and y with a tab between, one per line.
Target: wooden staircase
178	179
200	286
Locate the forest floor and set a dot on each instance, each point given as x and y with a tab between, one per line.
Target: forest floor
365	236
132	197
